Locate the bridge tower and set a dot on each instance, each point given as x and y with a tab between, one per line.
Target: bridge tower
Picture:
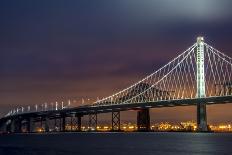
201	107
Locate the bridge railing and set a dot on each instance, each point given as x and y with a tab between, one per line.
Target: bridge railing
42	108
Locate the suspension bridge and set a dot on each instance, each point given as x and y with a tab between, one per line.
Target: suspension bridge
200	76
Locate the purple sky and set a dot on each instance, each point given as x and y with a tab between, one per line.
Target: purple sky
58	50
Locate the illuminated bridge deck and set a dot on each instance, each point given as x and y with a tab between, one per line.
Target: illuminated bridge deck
85	110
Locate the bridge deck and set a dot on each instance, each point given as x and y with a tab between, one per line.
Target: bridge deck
85	110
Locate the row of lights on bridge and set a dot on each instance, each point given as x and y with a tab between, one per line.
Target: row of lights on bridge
45	107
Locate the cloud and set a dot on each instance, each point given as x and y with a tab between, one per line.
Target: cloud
179	10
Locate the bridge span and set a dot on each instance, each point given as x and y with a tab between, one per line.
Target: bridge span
199	76
9	124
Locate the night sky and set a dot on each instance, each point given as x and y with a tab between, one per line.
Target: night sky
59	50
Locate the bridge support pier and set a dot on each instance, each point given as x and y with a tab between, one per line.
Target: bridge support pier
63	124
55	124
30	125
92	121
78	117
60	128
201	118
41	123
6	127
143	120
17	125
116	121
71	122
12	126
46	124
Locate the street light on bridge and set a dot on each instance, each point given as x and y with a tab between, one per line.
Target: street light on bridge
45	106
52	106
56	105
36	107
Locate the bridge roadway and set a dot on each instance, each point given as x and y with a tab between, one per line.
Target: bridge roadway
97	109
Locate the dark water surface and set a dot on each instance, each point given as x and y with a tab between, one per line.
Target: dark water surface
116	144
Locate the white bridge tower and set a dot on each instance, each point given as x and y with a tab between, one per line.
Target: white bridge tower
201	107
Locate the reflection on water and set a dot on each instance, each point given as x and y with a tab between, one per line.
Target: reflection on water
116	143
